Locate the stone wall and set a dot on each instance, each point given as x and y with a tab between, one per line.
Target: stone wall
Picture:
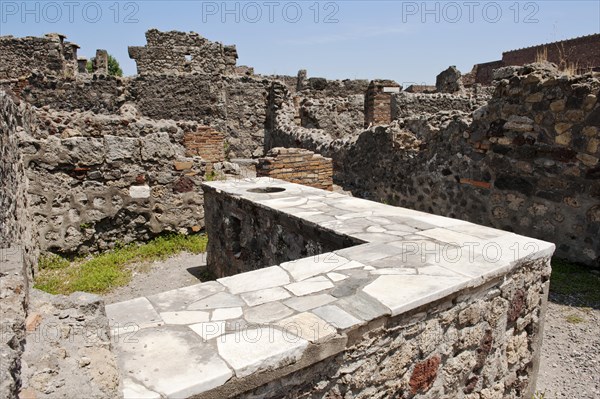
482	343
284	130
297	166
18	247
339	116
101	179
336	106
249	237
528	162
50	54
101	94
410	104
321	87
246	115
384	317
428	89
204	90
195	97
180	52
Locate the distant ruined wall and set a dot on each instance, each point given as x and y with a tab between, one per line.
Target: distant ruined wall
180	52
100	94
582	52
18	246
336	106
101	179
482	73
409	104
51	55
321	87
203	89
527	163
195	97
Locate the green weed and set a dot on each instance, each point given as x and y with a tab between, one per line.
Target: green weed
107	270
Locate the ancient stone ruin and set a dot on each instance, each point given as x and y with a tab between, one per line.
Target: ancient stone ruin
580	54
429	280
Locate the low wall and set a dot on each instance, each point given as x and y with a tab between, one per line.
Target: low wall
321	87
409	304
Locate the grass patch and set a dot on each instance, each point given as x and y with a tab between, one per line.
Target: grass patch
51	261
576	281
574	319
102	272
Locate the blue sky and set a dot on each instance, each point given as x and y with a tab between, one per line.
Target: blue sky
408	41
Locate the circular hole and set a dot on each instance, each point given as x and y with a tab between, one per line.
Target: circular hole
266	190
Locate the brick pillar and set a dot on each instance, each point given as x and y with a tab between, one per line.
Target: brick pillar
378	102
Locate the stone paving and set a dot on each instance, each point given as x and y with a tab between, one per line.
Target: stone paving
191	340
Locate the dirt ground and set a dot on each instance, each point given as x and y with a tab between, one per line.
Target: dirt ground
570	361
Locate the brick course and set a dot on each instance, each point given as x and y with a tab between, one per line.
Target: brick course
297	166
584	52
206	143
